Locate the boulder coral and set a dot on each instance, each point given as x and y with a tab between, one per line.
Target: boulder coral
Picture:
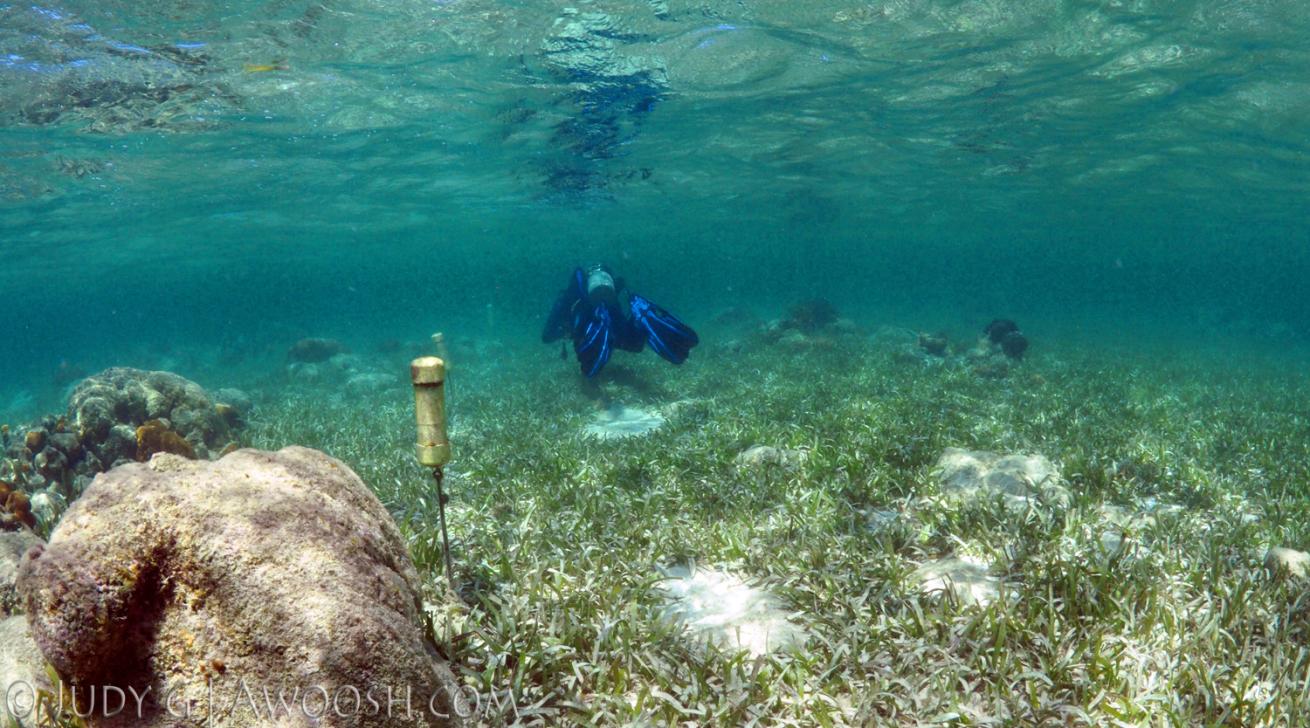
193	579
108	408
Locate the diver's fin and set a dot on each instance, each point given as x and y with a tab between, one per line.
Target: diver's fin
669	337
592	341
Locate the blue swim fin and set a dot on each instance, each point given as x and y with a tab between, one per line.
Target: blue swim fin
669	337
592	340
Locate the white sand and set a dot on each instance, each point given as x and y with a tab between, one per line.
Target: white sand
721	608
620	421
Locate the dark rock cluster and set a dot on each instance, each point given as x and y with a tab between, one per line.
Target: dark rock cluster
810	316
44	455
934	344
813	325
1001	346
314	351
999	349
1005	334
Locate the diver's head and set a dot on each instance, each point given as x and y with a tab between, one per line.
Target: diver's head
601	286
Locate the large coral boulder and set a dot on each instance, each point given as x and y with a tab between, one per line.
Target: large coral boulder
109	410
277	571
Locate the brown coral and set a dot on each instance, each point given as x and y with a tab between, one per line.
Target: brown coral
155	436
35	440
17	509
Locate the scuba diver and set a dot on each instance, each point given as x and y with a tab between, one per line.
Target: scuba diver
591	311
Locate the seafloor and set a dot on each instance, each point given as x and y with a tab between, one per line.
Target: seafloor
1137	597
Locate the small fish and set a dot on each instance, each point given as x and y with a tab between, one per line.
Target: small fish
264	67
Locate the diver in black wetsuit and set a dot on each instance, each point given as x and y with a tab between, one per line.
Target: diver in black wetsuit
591	310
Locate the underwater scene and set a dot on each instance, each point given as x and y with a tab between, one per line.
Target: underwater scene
655	363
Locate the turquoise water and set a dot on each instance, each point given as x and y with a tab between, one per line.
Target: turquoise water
219	179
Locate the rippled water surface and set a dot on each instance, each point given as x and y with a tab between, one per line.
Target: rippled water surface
185	170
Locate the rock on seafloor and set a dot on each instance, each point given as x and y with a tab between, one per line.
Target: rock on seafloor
22	668
260	571
22	673
1018	479
1287	562
313	351
13	545
765	457
967	580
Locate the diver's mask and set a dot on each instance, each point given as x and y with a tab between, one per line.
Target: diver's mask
600	285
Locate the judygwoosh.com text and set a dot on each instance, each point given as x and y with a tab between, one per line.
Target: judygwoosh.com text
228	702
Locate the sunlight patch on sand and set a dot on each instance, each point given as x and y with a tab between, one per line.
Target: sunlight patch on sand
621	421
721	608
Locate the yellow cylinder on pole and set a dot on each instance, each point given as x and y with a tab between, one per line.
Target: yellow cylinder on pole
428	374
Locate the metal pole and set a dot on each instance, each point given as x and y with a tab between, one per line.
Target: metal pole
439	475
